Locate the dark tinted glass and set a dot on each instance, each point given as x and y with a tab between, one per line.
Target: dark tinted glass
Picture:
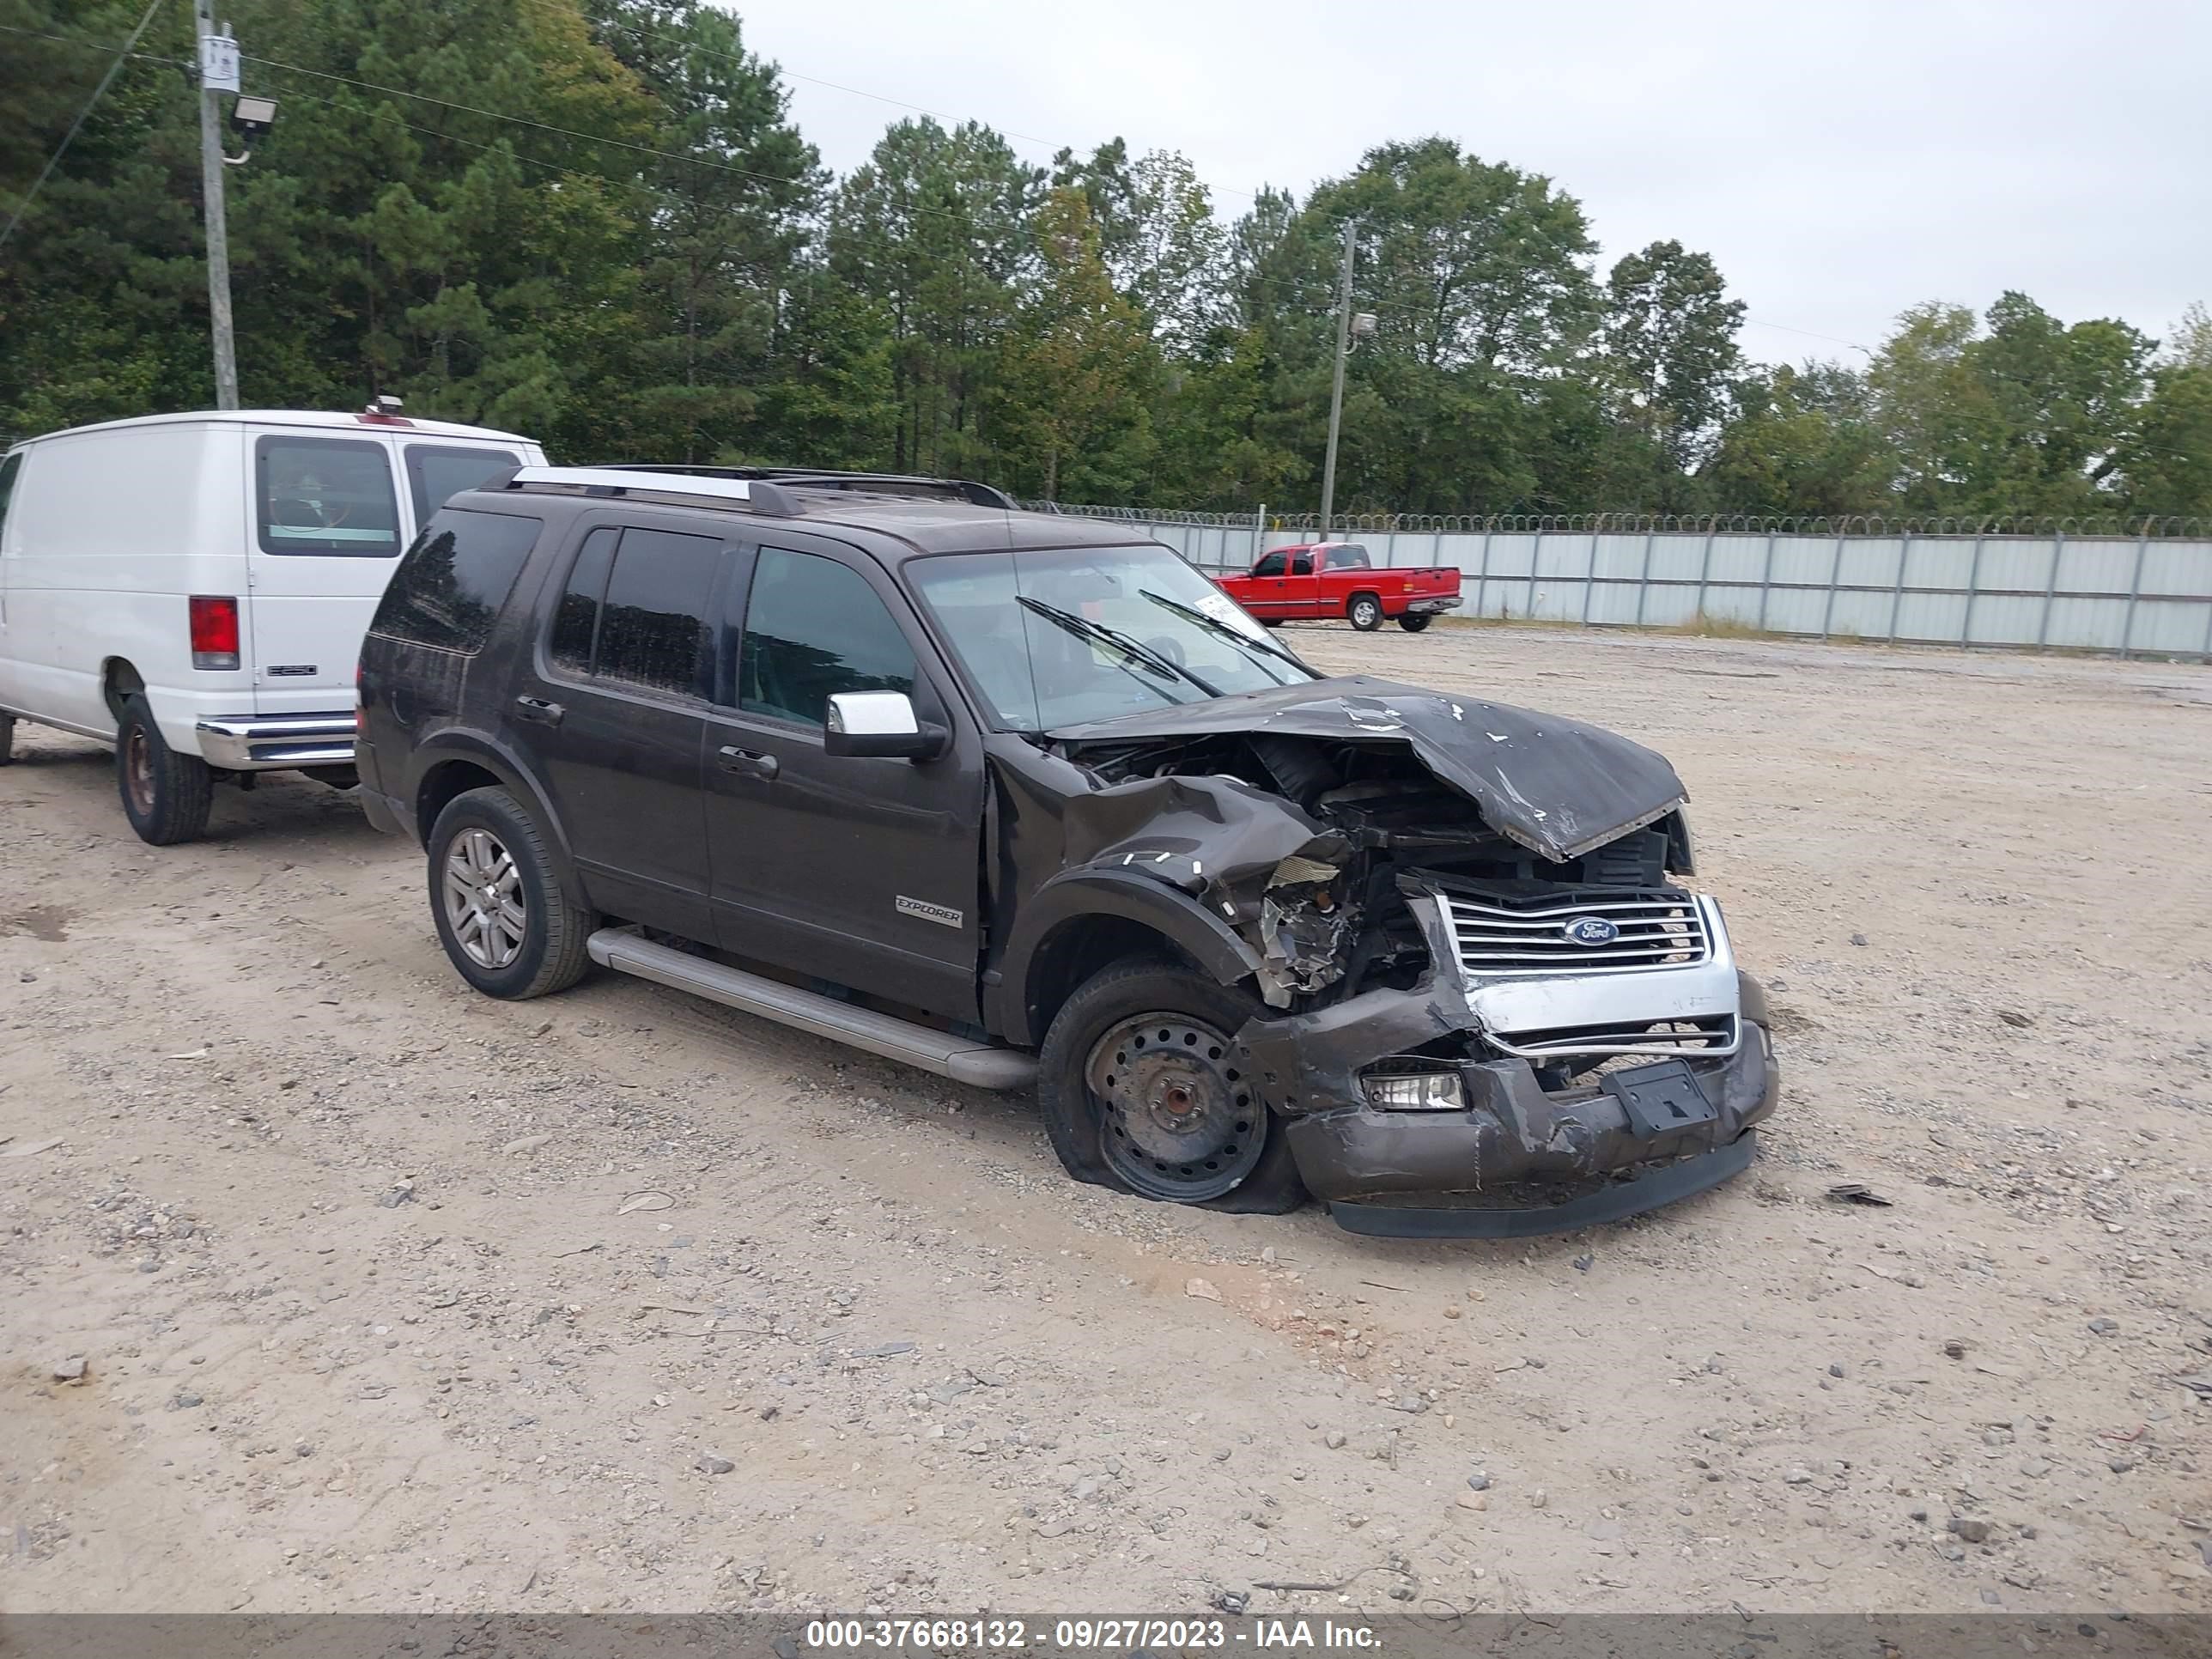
9	469
448	589
653	631
435	476
1302	565
814	627
326	496
576	619
1270	566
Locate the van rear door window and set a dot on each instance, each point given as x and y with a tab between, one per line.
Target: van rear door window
448	590
328	497
9	469
436	473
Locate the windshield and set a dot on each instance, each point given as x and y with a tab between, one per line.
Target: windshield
1075	635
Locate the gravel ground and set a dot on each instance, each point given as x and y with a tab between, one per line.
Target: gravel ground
388	1297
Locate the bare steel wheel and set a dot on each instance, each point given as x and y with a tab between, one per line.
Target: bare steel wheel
484	903
1179	1120
138	770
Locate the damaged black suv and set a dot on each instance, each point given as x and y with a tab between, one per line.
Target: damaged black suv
1021	801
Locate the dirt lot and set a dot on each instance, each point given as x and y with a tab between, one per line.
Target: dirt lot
394	1297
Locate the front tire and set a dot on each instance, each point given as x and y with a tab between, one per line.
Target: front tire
495	895
167	796
1364	612
1140	1091
1413	624
6	740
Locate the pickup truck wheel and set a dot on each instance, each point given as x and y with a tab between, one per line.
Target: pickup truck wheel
1141	1091
167	796
1413	624
1365	612
507	926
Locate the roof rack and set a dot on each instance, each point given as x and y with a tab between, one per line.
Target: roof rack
870	484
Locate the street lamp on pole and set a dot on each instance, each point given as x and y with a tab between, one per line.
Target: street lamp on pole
1348	325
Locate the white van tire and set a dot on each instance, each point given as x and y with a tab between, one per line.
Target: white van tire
166	795
6	740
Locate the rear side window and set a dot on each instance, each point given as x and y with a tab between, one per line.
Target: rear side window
634	611
436	474
448	590
326	496
813	628
1302	564
9	469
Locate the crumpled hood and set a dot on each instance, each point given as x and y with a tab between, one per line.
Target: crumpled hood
1557	787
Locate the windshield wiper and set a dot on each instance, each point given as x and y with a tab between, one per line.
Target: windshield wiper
1215	625
1084	628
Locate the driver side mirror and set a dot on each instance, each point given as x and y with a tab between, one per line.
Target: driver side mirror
880	724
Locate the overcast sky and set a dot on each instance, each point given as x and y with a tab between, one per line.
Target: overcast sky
1840	161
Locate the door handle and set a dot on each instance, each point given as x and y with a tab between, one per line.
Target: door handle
746	764
538	709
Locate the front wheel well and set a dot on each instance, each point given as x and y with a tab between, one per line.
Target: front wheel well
1079	948
441	783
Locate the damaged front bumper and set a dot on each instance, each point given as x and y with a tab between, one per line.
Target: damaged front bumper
1671	1117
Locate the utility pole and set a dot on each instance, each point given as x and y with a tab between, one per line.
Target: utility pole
1336	392
218	233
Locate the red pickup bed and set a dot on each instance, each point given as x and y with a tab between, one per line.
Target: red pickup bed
1320	580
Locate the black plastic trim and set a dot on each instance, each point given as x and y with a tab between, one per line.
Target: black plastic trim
1654	1189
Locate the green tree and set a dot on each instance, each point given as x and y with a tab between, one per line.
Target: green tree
1805	442
1669	350
1076	366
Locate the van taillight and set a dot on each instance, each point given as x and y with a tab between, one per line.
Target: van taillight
215	631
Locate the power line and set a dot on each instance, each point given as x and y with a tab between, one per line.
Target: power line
69	138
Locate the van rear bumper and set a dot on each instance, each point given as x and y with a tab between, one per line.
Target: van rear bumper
272	743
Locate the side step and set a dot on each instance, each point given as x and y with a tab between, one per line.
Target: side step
961	1059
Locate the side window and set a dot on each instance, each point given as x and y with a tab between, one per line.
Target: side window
326	496
814	627
634	612
576	619
1302	565
436	474
449	588
9	469
1270	566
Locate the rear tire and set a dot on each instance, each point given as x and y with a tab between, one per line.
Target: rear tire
1108	1139
167	796
1364	612
6	740
495	895
1414	624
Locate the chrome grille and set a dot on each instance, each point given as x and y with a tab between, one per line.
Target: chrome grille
1504	937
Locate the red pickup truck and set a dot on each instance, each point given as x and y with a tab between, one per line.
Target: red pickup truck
1321	579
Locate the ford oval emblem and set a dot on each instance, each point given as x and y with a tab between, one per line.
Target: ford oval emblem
1591	930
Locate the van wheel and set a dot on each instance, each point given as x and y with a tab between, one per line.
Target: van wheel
166	795
1365	612
1414	624
1140	1090
495	895
6	740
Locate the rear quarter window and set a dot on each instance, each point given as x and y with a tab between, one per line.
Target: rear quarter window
328	497
438	472
448	590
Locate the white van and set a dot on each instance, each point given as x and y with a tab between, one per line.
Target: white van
194	588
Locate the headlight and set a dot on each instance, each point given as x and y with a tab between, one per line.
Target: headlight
1417	1091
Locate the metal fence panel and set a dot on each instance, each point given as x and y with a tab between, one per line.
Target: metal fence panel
2149	594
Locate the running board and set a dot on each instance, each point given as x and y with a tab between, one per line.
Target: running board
961	1059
